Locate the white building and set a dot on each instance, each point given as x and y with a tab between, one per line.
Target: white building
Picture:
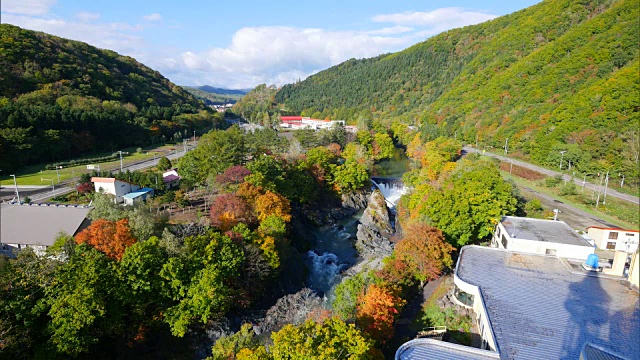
138	195
614	238
37	225
113	186
538	236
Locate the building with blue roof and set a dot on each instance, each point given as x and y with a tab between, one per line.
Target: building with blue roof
138	195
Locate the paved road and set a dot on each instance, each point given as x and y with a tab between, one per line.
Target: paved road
39	195
610	192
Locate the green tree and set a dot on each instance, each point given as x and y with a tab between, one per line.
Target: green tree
164	163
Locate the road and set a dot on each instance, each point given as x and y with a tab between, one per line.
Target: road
41	194
610	192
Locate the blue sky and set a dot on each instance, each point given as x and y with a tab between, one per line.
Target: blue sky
240	44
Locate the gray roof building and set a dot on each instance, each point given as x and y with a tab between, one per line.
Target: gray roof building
539	307
38	225
542	230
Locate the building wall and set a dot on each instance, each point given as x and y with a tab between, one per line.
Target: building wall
478	307
618	240
501	237
117	188
634	270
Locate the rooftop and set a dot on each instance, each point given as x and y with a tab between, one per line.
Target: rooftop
170	178
135	194
539	309
437	349
38	225
103	180
615	229
542	230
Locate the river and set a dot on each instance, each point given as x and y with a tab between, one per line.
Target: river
334	251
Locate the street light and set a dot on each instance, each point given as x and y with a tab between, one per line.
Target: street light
57	173
15	183
562	156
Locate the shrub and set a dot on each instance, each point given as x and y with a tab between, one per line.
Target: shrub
553	181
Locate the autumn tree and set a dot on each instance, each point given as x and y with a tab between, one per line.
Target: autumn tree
377	311
227	210
424	251
111	238
233	175
271	203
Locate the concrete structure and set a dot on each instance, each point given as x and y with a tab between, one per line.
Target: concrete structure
138	195
530	306
37	226
117	188
537	236
614	238
171	179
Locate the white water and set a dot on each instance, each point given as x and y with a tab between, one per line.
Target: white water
391	190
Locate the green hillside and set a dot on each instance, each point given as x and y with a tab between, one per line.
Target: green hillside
560	75
65	99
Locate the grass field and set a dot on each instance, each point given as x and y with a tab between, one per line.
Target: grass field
32	175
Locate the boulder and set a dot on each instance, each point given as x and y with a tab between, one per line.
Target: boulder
375	228
356	200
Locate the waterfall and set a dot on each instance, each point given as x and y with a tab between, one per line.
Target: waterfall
392	189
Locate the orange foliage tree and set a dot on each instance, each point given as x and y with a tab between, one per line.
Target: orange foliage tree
271	203
111	238
424	252
376	312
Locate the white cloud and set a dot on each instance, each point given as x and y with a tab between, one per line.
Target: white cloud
437	20
390	30
115	36
87	16
279	54
27	7
153	17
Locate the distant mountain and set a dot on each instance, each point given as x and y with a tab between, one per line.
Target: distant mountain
221	91
215	96
61	98
562	75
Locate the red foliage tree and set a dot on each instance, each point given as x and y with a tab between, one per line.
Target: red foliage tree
84	188
111	238
424	252
228	210
233	175
376	312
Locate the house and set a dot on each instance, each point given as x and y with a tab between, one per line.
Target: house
532	306
113	186
299	123
37	225
538	236
614	238
138	195
171	179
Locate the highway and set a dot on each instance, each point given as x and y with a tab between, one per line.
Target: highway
588	185
40	194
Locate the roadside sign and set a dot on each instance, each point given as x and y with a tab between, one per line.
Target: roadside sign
91	167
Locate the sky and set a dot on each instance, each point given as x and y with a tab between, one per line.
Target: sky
240	44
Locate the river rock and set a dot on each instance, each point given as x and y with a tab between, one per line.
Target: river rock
356	200
375	228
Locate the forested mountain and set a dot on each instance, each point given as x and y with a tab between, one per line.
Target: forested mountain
215	96
61	98
559	75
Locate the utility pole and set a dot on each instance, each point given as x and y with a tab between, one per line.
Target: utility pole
561	157
455	135
622	181
194	138
15	183
600	187
584	181
120	152
476	141
606	185
511	167
506	146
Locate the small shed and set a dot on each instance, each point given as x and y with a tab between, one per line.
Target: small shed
139	195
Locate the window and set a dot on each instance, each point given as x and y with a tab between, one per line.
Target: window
504	241
498	231
611	245
628	234
551	252
463	297
613	235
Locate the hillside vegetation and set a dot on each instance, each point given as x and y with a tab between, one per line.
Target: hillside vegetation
561	75
61	98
